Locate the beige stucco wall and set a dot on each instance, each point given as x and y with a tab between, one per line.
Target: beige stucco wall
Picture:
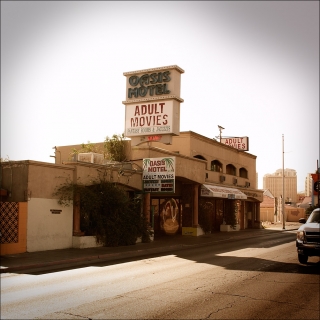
185	147
43	178
88	173
26	179
34	183
183	163
292	214
45	230
192	144
64	153
14	180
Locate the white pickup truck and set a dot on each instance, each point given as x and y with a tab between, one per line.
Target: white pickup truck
308	237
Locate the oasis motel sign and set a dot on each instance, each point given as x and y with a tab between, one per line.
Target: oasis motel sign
153	114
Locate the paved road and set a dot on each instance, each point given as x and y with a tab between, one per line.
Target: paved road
248	279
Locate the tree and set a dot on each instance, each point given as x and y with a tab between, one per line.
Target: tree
89	147
106	212
113	148
116	147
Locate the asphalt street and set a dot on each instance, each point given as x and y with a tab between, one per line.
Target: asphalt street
241	275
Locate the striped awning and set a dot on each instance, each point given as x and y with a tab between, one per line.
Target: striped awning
208	190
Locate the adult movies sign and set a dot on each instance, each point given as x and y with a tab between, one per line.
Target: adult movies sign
240	143
159	175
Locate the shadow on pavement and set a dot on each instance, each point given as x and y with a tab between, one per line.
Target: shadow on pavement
218	253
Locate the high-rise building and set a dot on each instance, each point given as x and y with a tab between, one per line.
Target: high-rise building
273	182
308	183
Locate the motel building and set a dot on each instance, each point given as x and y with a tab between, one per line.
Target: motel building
204	172
186	175
185	180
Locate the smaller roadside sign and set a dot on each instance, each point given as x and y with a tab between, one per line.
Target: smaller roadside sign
159	175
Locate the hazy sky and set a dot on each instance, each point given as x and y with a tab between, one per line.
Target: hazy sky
250	66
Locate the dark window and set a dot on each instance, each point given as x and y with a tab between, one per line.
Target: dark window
216	166
231	169
243	173
198	156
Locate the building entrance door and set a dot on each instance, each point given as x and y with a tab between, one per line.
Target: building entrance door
166	215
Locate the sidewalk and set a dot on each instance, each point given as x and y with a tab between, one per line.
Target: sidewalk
74	257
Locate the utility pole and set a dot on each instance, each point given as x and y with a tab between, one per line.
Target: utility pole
283	212
220	129
318	176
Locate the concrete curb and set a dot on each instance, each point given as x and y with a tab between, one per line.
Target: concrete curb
97	258
131	253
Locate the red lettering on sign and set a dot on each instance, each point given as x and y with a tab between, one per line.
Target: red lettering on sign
154	138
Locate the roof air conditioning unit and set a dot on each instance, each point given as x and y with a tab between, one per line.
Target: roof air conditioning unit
235	181
91	157
127	166
247	184
222	178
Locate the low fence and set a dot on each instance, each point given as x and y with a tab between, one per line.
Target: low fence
292	214
13	227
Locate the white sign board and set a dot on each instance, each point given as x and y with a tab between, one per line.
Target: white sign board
152	118
153	104
159	174
240	143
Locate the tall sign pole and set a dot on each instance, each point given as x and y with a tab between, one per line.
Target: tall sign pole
283	212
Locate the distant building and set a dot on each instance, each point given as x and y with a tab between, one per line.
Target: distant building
271	211
273	182
268	207
308	185
305	203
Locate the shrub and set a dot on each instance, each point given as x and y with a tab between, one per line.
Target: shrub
107	212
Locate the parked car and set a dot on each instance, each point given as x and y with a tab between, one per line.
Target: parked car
308	237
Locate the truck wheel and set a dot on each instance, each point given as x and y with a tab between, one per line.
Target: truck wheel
302	258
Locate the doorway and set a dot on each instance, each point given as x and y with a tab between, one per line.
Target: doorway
165	215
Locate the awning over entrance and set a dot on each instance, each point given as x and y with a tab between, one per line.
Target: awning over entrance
208	190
